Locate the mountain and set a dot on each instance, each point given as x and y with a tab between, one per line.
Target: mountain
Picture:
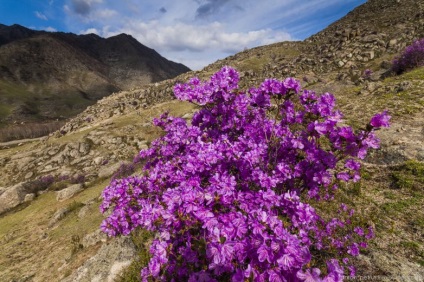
51	234
55	75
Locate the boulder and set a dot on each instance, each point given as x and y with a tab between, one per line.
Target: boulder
108	171
29	197
94	238
68	192
112	258
12	197
58	215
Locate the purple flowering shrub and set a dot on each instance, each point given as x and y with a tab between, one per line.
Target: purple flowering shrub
412	57
227	196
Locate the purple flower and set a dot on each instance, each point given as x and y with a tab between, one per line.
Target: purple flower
309	276
380	120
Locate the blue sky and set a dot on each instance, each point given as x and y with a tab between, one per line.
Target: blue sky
193	32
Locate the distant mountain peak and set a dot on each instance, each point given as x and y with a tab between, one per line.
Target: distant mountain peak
51	67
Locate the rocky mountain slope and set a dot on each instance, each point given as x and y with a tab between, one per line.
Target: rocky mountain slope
50	230
47	76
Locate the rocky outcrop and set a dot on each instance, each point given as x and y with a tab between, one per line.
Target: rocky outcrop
12	197
107	264
68	192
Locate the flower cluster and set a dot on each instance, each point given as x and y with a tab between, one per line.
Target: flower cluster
227	193
411	57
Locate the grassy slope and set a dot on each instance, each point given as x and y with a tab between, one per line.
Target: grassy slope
29	247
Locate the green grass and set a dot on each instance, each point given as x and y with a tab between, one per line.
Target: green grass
5	111
409	176
12	92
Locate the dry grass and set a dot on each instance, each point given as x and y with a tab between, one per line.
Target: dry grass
30	248
28	131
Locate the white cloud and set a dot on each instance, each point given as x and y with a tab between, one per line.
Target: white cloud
40	16
50	29
198	32
104	14
90	30
197	38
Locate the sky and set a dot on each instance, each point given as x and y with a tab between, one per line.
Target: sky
192	32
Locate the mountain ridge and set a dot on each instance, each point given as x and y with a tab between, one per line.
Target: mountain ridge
66	72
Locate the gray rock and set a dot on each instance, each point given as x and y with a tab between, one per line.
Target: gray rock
83	211
29	175
84	148
12	197
68	192
53	151
397	270
108	263
108	171
58	215
98	160
392	42
370	55
94	238
29	197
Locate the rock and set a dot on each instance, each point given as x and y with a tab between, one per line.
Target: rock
73	153
58	215
392	42
29	175
340	63
188	116
108	263
108	171
53	151
98	160
84	148
400	270
94	238
12	197
370	55
68	192
83	211
29	197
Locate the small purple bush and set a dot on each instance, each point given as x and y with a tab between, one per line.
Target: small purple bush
230	196
412	57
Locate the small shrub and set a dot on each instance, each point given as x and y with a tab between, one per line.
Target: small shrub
412	57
